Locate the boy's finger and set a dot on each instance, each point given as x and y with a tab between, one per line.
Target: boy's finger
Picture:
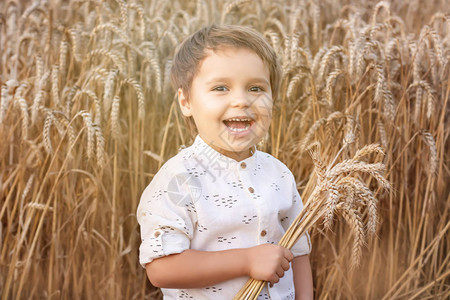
280	272
274	279
285	265
288	254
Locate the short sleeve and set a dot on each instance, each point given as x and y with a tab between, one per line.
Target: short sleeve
303	245
166	215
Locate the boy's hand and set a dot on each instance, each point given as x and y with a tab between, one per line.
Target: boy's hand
268	262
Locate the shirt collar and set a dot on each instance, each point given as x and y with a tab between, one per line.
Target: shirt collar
210	156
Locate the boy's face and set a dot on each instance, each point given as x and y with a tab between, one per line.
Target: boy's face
230	101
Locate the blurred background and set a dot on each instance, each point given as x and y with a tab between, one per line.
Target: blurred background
87	117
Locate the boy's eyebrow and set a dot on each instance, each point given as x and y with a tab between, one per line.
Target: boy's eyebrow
226	79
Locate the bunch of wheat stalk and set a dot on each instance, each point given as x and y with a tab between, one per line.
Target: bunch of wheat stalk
340	191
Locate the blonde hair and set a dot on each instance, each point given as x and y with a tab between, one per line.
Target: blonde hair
191	52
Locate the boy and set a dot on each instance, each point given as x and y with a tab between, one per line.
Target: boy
213	214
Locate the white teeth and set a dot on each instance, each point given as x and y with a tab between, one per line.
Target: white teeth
240	129
239	120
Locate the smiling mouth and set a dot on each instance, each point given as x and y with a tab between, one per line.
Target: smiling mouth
238	124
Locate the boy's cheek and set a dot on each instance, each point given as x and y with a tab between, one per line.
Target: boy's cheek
264	103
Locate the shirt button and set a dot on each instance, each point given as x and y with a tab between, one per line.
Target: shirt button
251	190
263	233
243	165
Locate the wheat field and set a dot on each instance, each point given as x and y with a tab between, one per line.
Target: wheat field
87	117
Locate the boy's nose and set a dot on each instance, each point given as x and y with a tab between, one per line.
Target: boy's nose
240	99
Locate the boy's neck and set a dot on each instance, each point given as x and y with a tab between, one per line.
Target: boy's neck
237	156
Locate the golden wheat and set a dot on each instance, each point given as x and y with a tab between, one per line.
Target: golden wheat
87	116
327	200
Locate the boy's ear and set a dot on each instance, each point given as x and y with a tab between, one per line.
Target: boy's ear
184	103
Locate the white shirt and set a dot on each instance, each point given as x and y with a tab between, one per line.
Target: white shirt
203	200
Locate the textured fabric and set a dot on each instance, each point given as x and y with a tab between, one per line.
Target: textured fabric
203	200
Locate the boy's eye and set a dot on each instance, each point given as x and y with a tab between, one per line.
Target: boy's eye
220	88
256	89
